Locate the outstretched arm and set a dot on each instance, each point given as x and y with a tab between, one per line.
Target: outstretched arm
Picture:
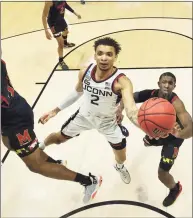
126	88
72	11
69	100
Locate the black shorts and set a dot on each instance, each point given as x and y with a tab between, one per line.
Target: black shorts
23	141
169	151
58	27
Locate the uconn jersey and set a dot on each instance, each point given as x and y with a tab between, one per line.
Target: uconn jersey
99	96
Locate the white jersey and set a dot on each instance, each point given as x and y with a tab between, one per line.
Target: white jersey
99	98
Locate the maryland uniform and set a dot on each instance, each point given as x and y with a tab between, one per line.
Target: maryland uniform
98	109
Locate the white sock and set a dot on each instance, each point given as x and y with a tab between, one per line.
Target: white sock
120	166
42	145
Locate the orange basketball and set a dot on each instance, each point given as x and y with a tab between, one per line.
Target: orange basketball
155	116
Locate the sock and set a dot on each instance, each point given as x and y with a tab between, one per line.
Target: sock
176	187
51	160
83	180
61	59
42	145
120	166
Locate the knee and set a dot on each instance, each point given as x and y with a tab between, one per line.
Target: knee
65	32
58	138
33	168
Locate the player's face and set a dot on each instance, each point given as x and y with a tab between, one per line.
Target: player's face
105	57
166	85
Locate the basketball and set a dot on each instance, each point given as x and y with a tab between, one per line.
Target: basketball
156	116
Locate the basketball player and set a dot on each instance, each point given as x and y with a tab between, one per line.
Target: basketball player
54	13
102	86
172	142
17	124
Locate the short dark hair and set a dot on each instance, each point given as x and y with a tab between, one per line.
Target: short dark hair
168	74
108	41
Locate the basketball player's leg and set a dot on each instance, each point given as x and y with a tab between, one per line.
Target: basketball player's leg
65	32
25	145
115	136
68	130
71	128
169	154
56	31
39	162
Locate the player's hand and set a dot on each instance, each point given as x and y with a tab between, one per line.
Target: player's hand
79	16
44	118
176	130
119	115
161	135
48	35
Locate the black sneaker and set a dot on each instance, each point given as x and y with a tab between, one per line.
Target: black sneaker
63	65
69	45
149	142
172	196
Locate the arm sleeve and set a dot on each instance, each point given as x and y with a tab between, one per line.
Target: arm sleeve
70	99
142	96
67	6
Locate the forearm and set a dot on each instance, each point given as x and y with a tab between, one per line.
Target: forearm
70	99
44	21
186	132
132	115
69	8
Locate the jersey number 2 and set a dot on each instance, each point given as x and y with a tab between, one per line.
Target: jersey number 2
95	98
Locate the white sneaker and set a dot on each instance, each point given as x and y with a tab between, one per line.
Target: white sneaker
91	190
125	176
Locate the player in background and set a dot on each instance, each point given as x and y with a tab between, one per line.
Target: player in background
53	15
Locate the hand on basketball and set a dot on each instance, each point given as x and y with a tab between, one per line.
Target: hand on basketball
48	35
176	130
44	119
161	135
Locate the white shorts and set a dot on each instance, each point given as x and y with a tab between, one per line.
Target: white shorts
107	126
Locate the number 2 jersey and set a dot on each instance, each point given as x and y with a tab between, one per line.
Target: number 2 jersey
99	98
16	113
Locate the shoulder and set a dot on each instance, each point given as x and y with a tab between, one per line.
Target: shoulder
178	104
83	71
48	4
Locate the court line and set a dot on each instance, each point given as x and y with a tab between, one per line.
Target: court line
93	21
43	83
118	202
6	154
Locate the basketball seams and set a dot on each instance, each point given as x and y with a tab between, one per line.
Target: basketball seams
159	114
146	116
156	125
153	104
145	119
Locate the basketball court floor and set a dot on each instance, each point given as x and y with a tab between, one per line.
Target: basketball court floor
155	37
